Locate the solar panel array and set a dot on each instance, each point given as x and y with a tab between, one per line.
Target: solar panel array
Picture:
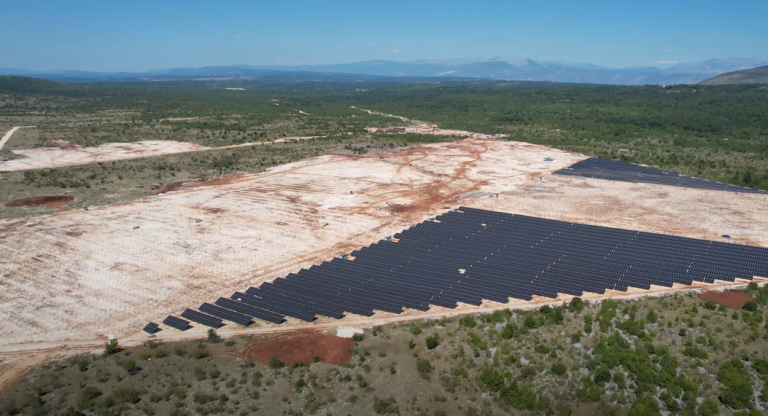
629	172
470	255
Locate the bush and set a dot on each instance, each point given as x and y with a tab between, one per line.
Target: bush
433	341
385	406
710	304
492	379
695	353
708	408
652	317
602	376
130	367
576	305
738	385
203	398
415	330
559	369
646	406
358	337
125	395
510	331
588	324
275	363
424	367
750	306
468	322
111	347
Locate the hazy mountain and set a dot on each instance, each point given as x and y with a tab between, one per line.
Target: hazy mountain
747	76
503	68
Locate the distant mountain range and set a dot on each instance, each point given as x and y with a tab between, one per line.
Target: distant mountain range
518	69
757	75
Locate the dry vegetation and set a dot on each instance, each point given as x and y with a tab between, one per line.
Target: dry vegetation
675	354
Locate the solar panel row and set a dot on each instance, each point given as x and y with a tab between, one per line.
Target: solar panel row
151	328
201	318
177	323
628	172
471	255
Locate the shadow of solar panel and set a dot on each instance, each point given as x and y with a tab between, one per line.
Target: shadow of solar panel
628	172
176	323
235	317
250	310
151	328
201	318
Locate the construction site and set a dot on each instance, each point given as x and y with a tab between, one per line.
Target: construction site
72	279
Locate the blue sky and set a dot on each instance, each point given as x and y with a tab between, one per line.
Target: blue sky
107	35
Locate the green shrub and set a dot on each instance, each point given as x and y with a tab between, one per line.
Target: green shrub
750	306
468	322
433	341
588	324
559	369
275	363
385	406
130	367
708	408
652	317
124	395
738	385
111	347
695	352
576	305
203	398
358	337
415	330
424	367
510	331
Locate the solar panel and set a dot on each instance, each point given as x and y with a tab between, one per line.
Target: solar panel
201	318
235	317
177	323
151	328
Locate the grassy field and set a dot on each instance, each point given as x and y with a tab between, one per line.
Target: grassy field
675	354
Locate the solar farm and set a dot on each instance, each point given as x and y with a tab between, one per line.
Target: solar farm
470	255
475	225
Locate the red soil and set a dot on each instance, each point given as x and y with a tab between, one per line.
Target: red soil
48	201
733	300
301	347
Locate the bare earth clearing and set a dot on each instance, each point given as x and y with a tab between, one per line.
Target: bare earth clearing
67	154
76	276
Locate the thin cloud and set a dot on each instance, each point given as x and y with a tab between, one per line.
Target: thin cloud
667	62
236	36
397	51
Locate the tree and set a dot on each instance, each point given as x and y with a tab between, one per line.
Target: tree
750	306
212	337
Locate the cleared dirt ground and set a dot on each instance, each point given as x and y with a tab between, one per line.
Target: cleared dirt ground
68	154
76	276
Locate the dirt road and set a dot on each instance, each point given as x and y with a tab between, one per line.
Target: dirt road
9	134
